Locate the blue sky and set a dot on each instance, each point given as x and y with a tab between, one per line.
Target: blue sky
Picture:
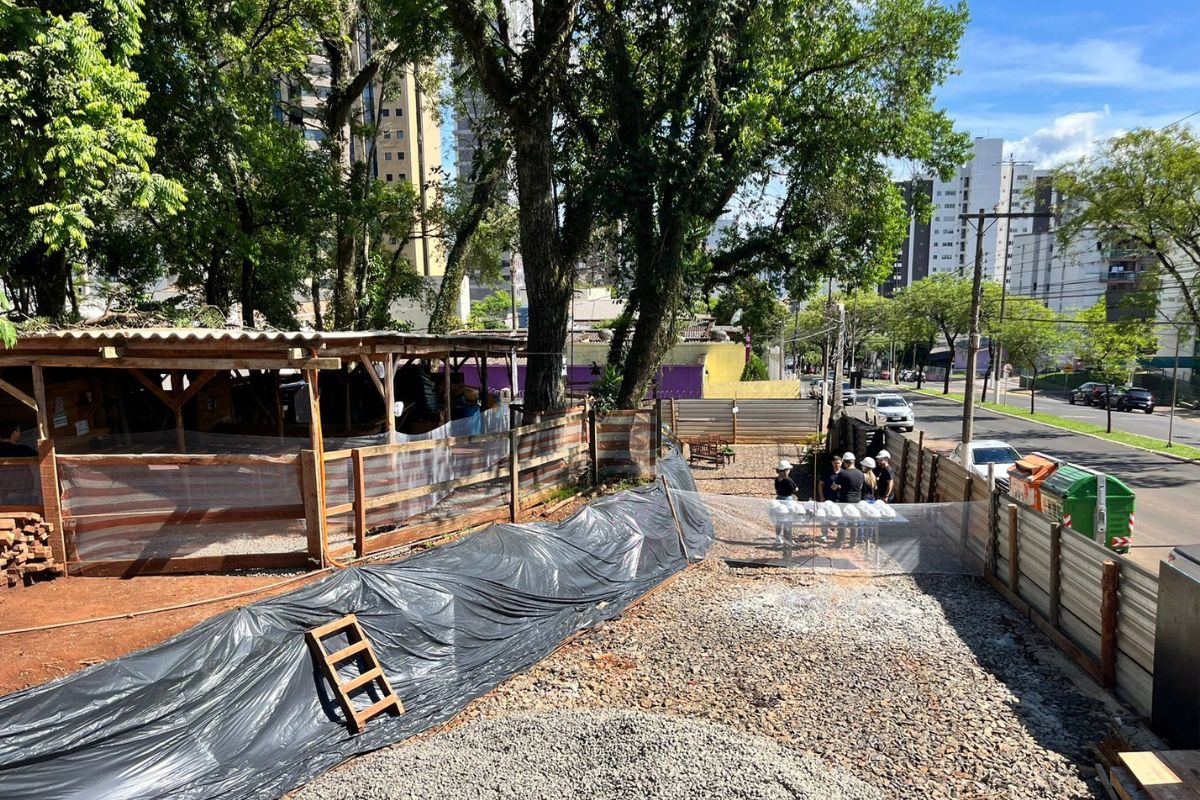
1053	77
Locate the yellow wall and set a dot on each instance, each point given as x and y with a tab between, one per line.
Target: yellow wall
723	361
762	389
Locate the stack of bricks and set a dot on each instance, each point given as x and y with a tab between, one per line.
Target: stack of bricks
25	553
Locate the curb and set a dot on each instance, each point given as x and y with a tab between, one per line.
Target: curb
1172	456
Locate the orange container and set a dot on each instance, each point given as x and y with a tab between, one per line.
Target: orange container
1025	478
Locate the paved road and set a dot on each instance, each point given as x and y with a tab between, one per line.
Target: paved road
1187	422
1168	492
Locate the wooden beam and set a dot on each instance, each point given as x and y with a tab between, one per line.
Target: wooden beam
155	388
18	394
370	366
194	387
360	505
186	565
1055	573
314	514
1014	551
1109	584
45	426
168	459
51	498
111	352
446	387
389	395
224	364
514	475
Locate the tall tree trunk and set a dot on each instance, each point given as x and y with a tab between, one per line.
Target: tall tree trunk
547	280
314	288
1032	389
483	199
345	289
991	367
247	279
616	348
46	275
949	367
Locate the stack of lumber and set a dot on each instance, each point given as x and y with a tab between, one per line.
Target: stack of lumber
25	549
1158	775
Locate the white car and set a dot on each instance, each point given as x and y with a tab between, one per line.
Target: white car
894	411
978	454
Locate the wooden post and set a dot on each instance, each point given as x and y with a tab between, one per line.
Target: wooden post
45	426
314	514
1055	573
966	517
675	417
678	523
733	416
52	499
446	386
920	466
389	395
317	437
934	461
481	362
1109	584
514	475
1014	550
593	445
180	435
360	503
902	473
658	405
278	405
993	552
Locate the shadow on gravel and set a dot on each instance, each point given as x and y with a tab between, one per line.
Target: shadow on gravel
1052	710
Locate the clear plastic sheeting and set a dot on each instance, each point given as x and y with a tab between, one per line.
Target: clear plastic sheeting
865	537
236	707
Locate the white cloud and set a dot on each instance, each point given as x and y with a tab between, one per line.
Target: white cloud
1069	137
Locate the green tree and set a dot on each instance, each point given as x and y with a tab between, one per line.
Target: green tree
753	304
1142	191
522	67
73	145
755	369
945	300
492	312
907	321
1110	349
1033	336
684	107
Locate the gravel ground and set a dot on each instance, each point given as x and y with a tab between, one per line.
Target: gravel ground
927	686
752	476
592	755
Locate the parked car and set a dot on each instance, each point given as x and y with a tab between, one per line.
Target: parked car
979	453
1186	557
814	388
912	375
1091	394
849	395
894	410
1134	397
885	374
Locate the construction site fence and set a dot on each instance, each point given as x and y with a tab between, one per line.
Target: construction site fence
1097	605
124	514
740	390
745	420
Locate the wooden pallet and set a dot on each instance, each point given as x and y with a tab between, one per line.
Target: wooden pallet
359	647
1160	775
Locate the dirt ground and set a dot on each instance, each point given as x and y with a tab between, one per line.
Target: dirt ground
33	658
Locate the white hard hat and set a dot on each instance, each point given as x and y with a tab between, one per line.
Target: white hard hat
847	456
884	454
868	462
784	465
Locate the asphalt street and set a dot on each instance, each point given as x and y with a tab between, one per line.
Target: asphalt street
1167	491
1186	428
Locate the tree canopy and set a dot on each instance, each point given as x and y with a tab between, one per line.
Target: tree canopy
1110	349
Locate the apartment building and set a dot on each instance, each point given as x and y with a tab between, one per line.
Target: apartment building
912	260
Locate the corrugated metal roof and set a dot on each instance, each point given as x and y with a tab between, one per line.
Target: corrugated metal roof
176	335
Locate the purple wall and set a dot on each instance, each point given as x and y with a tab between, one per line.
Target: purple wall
678	381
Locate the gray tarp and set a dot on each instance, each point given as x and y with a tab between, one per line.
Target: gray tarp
236	707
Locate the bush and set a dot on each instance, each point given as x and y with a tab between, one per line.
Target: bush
755	369
605	388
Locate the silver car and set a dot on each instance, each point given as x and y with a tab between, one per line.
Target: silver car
893	411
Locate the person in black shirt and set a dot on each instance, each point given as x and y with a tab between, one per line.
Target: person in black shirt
10	442
785	489
885	477
849	486
825	490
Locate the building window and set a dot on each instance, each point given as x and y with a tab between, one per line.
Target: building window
387	156
387	134
399	134
399	112
384	113
403	176
400	156
389	177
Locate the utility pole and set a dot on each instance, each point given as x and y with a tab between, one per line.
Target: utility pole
968	427
1174	389
835	403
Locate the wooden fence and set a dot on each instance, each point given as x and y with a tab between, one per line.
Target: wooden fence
145	514
746	420
1097	605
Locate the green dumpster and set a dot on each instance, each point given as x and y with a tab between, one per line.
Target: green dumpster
1070	496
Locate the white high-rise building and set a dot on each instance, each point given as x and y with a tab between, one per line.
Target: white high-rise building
987	182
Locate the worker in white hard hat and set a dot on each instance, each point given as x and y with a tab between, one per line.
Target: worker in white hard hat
885	477
785	489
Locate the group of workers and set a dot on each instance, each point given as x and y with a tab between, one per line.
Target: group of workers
845	482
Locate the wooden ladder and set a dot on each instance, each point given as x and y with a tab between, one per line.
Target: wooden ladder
359	647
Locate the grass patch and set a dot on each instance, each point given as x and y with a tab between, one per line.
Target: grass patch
1120	437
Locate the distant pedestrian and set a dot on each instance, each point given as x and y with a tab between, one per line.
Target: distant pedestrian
785	490
885	478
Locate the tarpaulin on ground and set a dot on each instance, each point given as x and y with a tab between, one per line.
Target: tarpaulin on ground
237	707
